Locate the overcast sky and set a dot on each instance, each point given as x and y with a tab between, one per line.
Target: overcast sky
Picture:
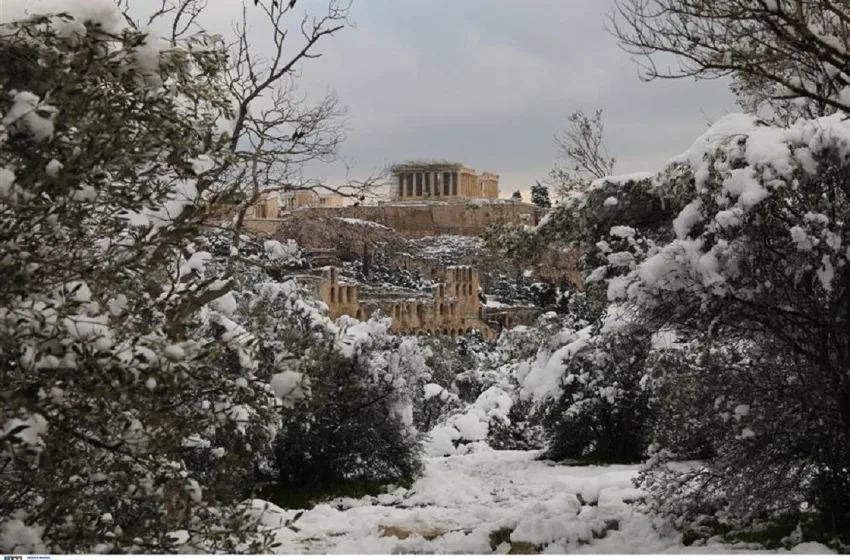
489	82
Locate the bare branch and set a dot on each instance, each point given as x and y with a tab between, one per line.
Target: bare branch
791	57
581	149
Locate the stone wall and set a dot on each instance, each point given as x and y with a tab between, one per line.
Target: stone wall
261	227
454	308
422	220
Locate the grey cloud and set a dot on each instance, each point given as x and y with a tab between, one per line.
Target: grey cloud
488	82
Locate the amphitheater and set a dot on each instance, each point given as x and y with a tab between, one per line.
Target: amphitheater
452	309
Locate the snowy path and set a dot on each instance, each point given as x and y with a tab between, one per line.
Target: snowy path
462	500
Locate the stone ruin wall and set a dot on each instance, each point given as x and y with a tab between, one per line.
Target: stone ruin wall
434	219
454	308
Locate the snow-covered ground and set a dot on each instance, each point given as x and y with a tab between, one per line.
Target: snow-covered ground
462	502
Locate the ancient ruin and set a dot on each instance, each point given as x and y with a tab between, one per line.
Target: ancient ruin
452	309
413	219
442	181
272	203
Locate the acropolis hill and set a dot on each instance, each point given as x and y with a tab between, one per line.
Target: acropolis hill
428	198
436	201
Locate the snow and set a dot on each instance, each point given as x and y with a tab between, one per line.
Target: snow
621	179
466	431
174	352
544	378
812	548
816	218
746	186
16	537
90	329
725	128
359	222
623	232
471	426
690	216
27	431
597	275
623	258
103	12
27	113
226	305
277	250
432	390
462	500
7	180
728	218
826	273
287	385
53	167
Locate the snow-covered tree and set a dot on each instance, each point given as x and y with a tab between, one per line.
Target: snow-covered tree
754	265
517	196
117	369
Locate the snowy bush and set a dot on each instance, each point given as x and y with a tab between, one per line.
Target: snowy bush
113	370
755	266
356	428
483	406
603	412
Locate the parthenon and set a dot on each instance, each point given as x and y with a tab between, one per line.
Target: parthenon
443	181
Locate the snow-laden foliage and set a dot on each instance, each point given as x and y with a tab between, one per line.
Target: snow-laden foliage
347	387
733	261
604	409
755	265
357	425
115	367
488	402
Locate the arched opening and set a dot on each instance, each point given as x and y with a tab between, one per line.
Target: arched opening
359	315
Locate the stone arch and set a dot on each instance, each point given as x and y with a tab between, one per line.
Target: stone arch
359	315
333	294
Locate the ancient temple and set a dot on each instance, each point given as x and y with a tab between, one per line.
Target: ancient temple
423	181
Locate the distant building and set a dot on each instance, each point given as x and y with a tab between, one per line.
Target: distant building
309	199
442	181
271	204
